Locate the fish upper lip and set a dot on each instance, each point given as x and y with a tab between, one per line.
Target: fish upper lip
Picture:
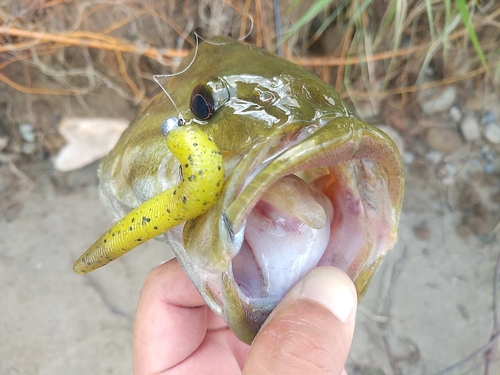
309	157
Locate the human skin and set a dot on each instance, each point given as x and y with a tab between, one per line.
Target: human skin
309	332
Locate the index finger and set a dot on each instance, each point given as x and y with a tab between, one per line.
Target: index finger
171	320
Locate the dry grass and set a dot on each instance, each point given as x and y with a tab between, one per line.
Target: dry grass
375	52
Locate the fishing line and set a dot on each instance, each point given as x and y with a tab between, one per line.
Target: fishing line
173	121
252	23
156	77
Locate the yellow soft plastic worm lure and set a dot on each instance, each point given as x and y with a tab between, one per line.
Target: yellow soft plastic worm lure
202	180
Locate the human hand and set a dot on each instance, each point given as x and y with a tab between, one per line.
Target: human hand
309	332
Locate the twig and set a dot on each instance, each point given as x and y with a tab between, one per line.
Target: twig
423	86
496	329
396	270
488	347
376	318
33	90
90	40
104	298
277	26
490	344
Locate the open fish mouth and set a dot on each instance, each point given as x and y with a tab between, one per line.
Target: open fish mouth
325	194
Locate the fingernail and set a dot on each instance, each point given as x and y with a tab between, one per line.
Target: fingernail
330	287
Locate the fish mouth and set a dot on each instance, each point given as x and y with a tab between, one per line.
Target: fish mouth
325	194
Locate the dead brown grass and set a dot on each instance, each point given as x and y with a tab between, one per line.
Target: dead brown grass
72	48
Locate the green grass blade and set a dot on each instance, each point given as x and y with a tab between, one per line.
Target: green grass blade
360	9
428	6
464	12
329	20
388	21
312	12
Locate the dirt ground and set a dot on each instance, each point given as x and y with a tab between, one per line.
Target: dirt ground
429	306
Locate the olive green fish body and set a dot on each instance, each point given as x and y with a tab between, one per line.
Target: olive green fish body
282	135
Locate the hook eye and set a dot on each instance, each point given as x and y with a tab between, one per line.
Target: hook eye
171	123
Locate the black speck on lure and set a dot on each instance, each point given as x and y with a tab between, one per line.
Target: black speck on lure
202	180
278	177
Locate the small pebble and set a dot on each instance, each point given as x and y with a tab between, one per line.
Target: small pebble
408	158
486	153
489	117
438	100
449	169
443	140
3	142
27	132
447	180
447	173
470	128
455	114
474	162
489	168
491	132
28	148
434	156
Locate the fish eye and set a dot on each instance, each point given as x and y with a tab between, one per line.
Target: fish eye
202	102
208	97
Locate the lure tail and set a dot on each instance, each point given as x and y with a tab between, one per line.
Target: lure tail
202	181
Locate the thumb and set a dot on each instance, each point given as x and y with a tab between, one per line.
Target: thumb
310	331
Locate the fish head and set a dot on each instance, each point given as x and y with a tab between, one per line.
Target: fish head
306	183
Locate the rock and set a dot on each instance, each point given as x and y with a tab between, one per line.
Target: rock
443	140
489	168
446	173
434	156
487	154
455	114
470	128
27	132
491	132
489	117
437	100
3	142
408	158
450	169
28	148
89	139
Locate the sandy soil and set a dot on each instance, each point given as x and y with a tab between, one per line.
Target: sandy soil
429	306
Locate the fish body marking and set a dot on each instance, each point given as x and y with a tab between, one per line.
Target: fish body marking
202	181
